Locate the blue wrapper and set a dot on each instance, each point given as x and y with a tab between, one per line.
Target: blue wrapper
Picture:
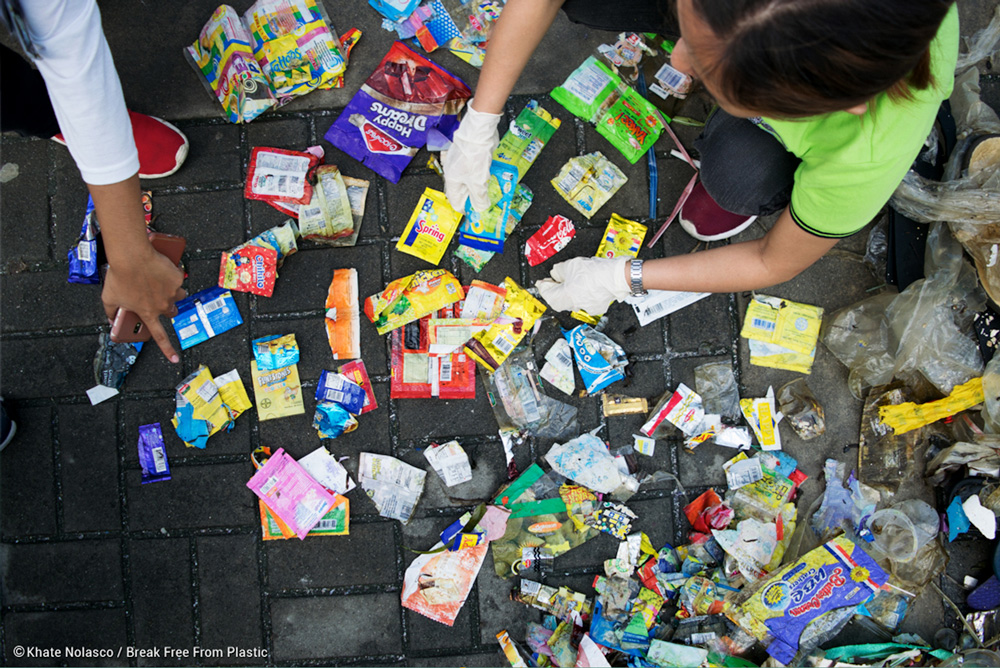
205	314
472	232
275	352
332	420
599	359
83	256
461	540
153	454
338	389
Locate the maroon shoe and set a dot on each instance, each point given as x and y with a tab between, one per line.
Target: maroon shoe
703	219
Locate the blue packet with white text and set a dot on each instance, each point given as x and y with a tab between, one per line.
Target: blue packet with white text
275	352
153	454
204	315
338	389
83	257
600	360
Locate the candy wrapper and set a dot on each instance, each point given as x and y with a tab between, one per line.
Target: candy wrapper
483	302
427	363
476	258
407	102
357	373
450	462
83	257
152	454
600	360
275	352
393	486
343	318
204	315
494	344
596	94
412	297
279	175
113	360
587	182
278	392
782	333
431	227
336	388
290	493
206	405
332	420
805	601
321	467
551	238
622	238
517	151
249	269
328	216
223	58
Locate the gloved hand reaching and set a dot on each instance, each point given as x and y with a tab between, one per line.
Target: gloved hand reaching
467	163
585	283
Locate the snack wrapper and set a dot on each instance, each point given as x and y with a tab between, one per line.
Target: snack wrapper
356	372
337	388
223	58
587	182
290	493
233	393
336	522
278	392
622	238
483	302
249	269
428	358
328	215
275	352
491	346
596	94
782	333
600	360
436	585
83	257
406	101
792	603
204	315
332	420
450	462
393	485
551	238
343	319
558	368
280	238
412	297
477	258
279	175
763	417
431	227
517	151
153	454
204	405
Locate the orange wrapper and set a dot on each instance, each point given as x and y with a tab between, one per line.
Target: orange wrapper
343	326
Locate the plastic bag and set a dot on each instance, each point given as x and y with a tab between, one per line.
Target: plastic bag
991	390
859	337
520	404
804	412
716	384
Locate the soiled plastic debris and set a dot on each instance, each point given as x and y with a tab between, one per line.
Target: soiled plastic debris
763	418
411	298
742	470
802	409
958	521
587	182
113	360
511	652
902	531
982	518
716	383
84	256
846	505
431	227
658	304
291	493
909	416
982	457
519	403
491	346
329	214
751	544
491	219
204	315
554	235
437	585
586	461
343	315
327	471
683	408
599	360
782	333
558	367
662	653
205	406
153	454
450	462
393	485
643	445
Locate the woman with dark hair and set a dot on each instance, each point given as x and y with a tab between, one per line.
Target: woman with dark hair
823	106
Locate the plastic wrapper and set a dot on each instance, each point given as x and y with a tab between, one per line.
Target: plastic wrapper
419	370
328	215
586	461
332	420
682	408
277	392
337	388
491	346
782	333
280	175
450	462
412	297
619	404
327	471
274	352
437	585
517	151
477	258
249	269
656	304
808	601
356	372
152	454
587	182
343	319
206	405
596	94
280	238
599	360
430	228
204	315
84	259
763	417
558	367
909	416
801	408
407	102
716	384
336	522
290	493
225	61
393	485
551	238
113	360
520	404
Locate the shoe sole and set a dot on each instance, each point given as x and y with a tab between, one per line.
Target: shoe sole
693	231
180	157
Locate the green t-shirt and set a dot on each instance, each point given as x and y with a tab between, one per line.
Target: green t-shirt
852	164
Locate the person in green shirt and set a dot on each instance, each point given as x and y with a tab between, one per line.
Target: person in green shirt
823	106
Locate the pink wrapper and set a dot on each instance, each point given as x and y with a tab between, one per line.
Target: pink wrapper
549	240
291	493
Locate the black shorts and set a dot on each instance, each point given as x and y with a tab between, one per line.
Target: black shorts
657	16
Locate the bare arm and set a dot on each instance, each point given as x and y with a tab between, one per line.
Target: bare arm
780	255
517	33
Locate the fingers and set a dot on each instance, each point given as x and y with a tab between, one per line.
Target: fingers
479	198
160	336
456	192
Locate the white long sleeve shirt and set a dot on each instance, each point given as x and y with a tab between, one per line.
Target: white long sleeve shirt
83	85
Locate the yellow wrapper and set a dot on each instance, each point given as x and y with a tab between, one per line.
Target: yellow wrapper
278	392
909	416
622	238
233	393
431	227
494	344
202	393
783	323
411	298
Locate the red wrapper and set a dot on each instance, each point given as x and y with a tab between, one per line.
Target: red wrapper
280	175
549	240
356	372
249	269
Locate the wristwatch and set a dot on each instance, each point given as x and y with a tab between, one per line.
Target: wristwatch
635	279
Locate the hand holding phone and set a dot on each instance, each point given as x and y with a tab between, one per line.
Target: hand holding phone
127	325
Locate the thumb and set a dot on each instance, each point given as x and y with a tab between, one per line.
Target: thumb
555	294
479	197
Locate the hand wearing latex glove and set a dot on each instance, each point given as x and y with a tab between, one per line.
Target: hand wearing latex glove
585	283
467	163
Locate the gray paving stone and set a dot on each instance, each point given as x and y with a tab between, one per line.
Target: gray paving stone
214	496
209	221
68	202
25	204
496	611
229	594
27	485
152	371
291	134
62	572
213	157
69	361
94	630
421	420
483	659
308	627
89	467
364	557
304	279
161	596
704	326
39	301
263	216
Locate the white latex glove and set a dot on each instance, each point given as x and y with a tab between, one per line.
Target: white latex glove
467	163
585	283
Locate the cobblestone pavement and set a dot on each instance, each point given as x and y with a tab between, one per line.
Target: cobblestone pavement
92	559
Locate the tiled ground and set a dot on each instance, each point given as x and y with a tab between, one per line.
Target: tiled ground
91	558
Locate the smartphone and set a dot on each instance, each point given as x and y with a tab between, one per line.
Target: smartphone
127	326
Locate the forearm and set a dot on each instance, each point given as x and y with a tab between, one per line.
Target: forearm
123	228
517	33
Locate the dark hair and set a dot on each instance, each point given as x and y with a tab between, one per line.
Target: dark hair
795	58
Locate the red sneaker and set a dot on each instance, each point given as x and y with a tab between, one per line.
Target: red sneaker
162	147
703	219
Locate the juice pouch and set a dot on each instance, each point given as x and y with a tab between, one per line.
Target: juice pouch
411	297
343	317
277	174
622	238
491	346
225	61
431	227
328	215
406	101
294	45
596	94
477	258
517	151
